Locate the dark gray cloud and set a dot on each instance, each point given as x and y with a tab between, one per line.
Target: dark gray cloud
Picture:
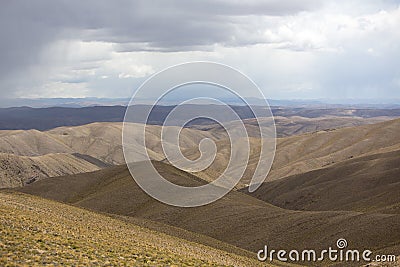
29	28
160	24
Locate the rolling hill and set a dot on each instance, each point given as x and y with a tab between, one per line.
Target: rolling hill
298	154
238	219
32	155
311	151
365	184
99	140
18	171
30	143
295	154
296	125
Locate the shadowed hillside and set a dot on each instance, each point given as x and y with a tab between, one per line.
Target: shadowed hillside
369	184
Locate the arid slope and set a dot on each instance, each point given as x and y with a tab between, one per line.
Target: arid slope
37	232
237	219
312	151
18	171
295	154
368	184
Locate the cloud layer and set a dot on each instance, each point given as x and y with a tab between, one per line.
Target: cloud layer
292	49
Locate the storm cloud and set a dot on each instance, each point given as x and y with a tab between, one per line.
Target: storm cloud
102	48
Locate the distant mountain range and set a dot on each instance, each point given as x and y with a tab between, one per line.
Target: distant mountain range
25	118
94	101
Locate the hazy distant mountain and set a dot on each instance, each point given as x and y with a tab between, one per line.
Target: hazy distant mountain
94	101
62	102
25	118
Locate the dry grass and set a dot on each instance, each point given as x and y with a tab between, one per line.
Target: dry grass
37	232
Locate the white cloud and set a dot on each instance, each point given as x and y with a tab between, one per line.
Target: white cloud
55	90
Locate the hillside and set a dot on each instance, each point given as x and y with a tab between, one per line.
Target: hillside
30	143
367	184
37	232
295	154
17	170
104	140
298	154
296	125
32	155
311	151
237	219
99	140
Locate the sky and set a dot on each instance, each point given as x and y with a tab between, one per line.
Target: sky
291	49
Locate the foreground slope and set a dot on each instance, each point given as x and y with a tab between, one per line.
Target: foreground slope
37	232
237	219
370	183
